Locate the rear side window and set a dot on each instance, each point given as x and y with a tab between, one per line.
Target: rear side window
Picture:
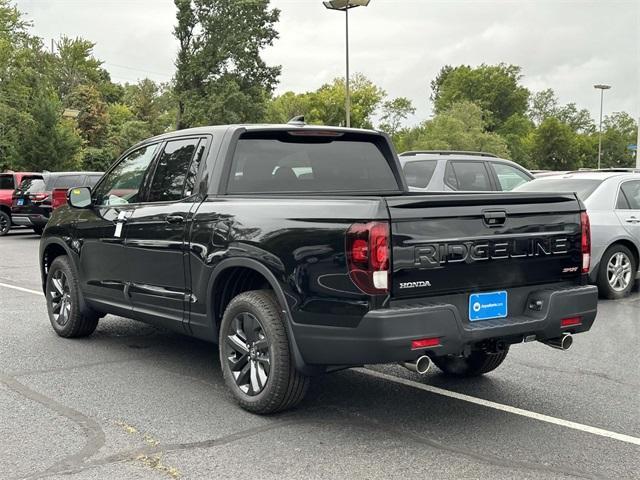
172	170
6	182
509	177
418	174
629	196
463	175
288	163
32	185
67	181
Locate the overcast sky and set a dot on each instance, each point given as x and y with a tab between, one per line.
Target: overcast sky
399	44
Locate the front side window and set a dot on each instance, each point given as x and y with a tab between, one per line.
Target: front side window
6	182
122	185
467	175
509	177
629	196
172	171
419	173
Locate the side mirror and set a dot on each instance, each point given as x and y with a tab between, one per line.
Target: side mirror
79	197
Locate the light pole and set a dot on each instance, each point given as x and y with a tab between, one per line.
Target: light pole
602	88
345	6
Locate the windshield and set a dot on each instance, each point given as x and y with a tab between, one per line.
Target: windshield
32	185
354	163
583	187
6	182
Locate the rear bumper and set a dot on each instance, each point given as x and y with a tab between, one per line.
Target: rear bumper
31	220
385	335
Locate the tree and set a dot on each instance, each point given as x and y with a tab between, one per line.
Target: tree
619	131
75	65
555	146
394	112
461	127
93	119
495	89
221	77
326	106
545	104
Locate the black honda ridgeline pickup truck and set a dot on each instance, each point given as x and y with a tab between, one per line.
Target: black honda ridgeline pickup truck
300	250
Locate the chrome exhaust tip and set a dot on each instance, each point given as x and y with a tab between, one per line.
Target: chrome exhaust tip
561	343
422	365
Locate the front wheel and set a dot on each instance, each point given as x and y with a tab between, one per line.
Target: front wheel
255	355
5	223
475	364
63	302
616	275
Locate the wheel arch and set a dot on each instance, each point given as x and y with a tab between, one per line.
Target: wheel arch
245	274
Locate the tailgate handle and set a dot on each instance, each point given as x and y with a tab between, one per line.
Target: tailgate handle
495	219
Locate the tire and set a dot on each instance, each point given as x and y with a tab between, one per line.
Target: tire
38	230
63	302
5	223
609	270
261	377
476	364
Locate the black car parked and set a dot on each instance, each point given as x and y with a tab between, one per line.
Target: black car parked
300	250
31	202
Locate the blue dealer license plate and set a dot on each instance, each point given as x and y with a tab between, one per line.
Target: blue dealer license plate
485	306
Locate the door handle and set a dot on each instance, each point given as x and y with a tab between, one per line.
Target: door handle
175	219
632	220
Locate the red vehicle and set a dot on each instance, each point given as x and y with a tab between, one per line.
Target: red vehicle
8	183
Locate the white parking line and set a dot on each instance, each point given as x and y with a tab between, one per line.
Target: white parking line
505	408
20	289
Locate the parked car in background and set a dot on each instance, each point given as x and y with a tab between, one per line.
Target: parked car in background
32	200
612	199
9	181
432	170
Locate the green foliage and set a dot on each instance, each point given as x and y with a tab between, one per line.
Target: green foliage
494	88
554	146
619	130
394	112
461	127
221	77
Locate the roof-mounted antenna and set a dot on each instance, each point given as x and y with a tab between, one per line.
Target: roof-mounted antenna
297	120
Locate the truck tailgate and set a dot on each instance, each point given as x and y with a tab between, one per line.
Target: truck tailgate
478	242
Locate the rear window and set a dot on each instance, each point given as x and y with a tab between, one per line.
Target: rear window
583	187
286	163
32	185
418	174
6	182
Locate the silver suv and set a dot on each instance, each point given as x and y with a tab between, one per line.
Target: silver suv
433	170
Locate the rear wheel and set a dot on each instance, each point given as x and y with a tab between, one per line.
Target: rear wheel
63	302
255	355
616	275
477	363
5	223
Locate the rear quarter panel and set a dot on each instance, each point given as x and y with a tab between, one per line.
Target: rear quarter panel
300	240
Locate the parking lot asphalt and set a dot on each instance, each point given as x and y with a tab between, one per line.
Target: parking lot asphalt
135	402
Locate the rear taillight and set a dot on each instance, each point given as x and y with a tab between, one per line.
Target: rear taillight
585	243
368	256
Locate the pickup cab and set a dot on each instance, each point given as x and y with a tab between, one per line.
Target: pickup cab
300	250
9	181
